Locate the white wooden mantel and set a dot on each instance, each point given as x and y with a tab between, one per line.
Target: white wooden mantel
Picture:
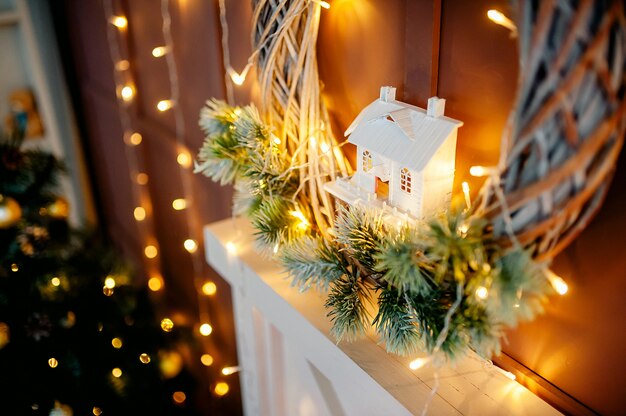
292	366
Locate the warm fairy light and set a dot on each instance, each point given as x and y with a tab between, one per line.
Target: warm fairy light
108	291
119	21
482	293
230	370
190	245
221	388
117	343
499	18
206	359
135	139
122	65
324	147
206	329
127	93
142	178
509	375
276	140
179	397
55	281
231	247
159	51
144	358
15	268
150	251
117	373
418	363
53	362
557	282
164	105
155	283
463	229
184	159
139	213
466	194
179	204
109	282
304	223
237	78
209	288
167	325
323	4
313	141
96	411
479	171
275	249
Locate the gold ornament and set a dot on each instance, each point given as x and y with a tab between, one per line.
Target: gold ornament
170	363
10	212
59	209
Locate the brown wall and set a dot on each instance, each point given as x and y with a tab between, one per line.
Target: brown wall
423	47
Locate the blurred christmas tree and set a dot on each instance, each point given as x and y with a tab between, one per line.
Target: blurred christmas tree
76	336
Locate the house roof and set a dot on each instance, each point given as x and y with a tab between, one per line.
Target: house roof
401	132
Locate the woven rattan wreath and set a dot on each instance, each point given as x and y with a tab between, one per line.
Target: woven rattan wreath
455	283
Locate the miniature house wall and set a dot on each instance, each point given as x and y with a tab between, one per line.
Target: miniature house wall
405	157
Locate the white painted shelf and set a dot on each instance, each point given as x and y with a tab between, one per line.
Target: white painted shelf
292	366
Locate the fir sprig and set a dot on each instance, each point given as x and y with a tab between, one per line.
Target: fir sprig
346	303
360	231
396	323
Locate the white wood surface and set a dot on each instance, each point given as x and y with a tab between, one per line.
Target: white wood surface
292	366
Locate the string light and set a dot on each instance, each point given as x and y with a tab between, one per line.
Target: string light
53	362
482	293
221	388
144	358
179	397
15	268
142	179
122	65
190	245
135	139
231	247
499	18
107	291
184	159
127	93
237	78
109	282
119	21
150	251
55	281
418	363
117	373
276	247
117	343
304	223
323	4
96	411
179	204
479	171
557	282
139	213
276	140
209	288
206	360
206	329
324	147
164	105
159	51
466	194
155	283
167	325
227	371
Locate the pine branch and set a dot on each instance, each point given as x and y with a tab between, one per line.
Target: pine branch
360	231
346	302
396	323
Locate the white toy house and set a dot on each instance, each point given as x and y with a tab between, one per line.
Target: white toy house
405	157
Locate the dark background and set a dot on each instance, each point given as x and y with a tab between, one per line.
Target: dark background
573	355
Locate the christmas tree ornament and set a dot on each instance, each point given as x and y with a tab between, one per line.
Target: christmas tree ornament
170	363
10	212
58	209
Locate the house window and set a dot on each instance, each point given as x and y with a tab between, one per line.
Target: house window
367	161
405	180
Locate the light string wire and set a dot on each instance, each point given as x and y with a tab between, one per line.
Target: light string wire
140	196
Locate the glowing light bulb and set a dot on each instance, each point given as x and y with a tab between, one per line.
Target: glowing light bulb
275	249
164	105
231	247
15	268
179	204
206	329
150	251
108	291
179	397
117	343
324	147
122	65
159	51
139	213
463	229
323	4
117	373
190	245
466	194
221	388
276	140
230	370
482	293
127	93
557	282
144	358
304	223
479	171
209	288
55	281
184	159
509	375
499	18
237	78
155	283
109	282
119	21
418	363
206	360
167	325
53	362
96	411
142	178
135	139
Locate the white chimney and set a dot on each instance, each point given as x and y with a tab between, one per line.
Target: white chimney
387	94
436	107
